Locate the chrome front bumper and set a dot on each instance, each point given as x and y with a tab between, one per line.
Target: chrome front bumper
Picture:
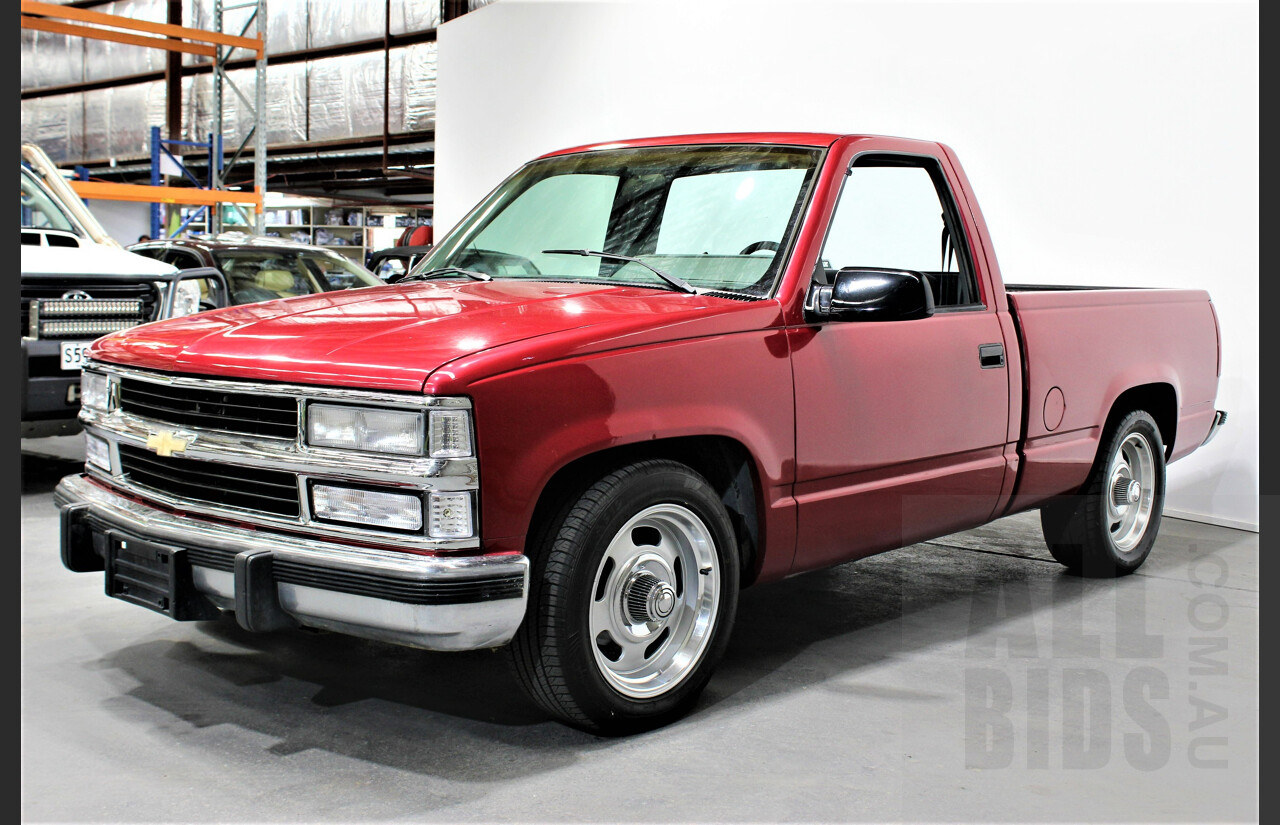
272	580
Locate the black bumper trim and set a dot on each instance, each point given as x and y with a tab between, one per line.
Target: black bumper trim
460	591
212	558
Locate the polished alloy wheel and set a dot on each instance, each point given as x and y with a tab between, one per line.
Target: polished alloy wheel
654	601
1108	527
1130	492
632	599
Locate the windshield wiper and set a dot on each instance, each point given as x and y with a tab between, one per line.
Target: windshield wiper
679	283
445	271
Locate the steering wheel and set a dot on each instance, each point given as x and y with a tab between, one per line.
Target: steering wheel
751	248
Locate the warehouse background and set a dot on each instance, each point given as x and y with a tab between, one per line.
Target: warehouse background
309	99
1109	143
92	103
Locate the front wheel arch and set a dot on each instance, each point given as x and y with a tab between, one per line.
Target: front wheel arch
725	462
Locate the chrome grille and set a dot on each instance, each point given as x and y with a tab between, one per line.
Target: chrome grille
272	416
222	472
228	485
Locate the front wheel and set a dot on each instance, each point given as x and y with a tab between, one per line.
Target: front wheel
632	598
1109	527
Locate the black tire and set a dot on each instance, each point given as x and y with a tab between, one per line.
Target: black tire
1080	529
554	652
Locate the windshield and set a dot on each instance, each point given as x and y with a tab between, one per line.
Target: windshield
718	217
39	211
267	274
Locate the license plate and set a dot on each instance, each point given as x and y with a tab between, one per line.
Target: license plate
74	354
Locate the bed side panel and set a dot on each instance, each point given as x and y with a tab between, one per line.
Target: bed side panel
1093	345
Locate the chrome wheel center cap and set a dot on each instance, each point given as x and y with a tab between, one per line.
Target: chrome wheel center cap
661	601
1125	491
648	598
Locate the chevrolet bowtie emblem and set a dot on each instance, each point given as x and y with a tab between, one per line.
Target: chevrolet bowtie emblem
166	443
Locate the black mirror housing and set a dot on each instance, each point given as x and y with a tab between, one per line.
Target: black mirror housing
868	294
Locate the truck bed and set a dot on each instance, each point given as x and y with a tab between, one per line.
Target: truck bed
1084	346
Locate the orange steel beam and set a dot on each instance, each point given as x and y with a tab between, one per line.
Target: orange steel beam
106	191
54	26
166	29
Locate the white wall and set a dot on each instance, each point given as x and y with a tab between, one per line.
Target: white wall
1108	143
123	220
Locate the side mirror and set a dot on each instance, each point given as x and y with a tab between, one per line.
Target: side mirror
866	294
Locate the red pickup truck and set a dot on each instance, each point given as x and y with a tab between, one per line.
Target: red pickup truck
636	378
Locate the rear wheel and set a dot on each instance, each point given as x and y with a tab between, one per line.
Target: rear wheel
632	598
1108	528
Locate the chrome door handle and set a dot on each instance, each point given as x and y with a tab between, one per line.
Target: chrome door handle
991	356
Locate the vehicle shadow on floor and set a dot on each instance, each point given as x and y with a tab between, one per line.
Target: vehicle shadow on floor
462	716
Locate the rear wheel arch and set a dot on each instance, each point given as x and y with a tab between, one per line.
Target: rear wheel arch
1159	400
725	462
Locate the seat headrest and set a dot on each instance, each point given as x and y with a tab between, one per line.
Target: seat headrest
276	280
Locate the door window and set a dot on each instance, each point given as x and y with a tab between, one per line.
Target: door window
896	214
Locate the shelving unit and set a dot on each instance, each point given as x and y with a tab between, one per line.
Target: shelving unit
178	40
341	228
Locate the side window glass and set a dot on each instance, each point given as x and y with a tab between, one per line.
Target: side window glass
180	259
893	216
331	273
390	267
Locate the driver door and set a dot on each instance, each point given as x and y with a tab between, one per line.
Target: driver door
900	429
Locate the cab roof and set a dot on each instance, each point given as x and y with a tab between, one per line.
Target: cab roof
816	139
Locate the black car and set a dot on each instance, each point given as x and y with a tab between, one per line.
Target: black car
260	269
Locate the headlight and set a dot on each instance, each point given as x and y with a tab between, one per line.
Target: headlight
391	511
94	390
186	298
450	433
371	430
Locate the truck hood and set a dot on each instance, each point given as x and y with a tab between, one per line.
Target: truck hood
89	259
395	337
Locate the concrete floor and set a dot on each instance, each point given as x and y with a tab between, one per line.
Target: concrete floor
966	678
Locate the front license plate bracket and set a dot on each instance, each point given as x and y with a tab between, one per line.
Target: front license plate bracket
154	576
